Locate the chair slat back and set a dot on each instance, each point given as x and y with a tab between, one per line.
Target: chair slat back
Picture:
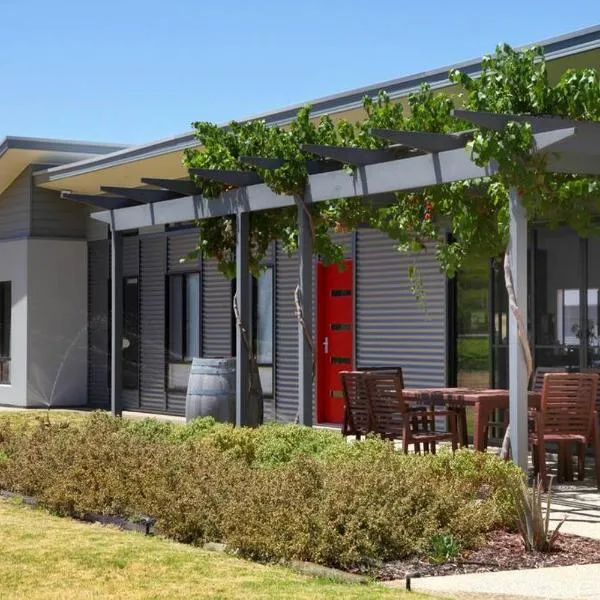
597	371
568	401
357	404
538	377
395	371
387	405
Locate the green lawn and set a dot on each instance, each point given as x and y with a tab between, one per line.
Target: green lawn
48	557
30	417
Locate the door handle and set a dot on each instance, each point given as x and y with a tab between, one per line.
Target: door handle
326	345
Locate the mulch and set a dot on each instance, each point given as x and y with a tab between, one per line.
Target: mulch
501	551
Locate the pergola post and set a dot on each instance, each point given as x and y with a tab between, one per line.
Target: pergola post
116	340
305	336
518	376
244	306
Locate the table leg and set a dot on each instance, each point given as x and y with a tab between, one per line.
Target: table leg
481	417
463	432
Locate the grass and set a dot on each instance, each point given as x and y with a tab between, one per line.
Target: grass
44	556
29	417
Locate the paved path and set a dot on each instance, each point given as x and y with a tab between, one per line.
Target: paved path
550	583
579	502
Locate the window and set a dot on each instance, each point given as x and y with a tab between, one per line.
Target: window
262	327
263	330
472	327
184	325
5	318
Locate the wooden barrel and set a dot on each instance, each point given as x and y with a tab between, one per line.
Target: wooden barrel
211	389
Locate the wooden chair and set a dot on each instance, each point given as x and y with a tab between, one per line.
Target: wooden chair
566	416
537	382
393	419
357	419
395	371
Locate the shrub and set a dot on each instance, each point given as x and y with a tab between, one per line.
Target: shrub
441	548
278	443
533	517
276	492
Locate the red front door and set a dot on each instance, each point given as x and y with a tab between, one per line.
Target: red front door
334	338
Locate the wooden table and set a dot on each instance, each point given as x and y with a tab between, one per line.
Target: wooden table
483	402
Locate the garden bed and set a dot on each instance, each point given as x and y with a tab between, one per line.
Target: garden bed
278	493
500	551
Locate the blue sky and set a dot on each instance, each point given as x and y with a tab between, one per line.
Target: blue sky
134	71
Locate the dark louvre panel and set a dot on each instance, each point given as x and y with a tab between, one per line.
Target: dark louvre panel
216	311
181	243
98	324
131	256
153	254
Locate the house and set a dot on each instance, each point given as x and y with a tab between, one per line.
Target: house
56	322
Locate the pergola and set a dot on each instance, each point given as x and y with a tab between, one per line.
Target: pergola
413	160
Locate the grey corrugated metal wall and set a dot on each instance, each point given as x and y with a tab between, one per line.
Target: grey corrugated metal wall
216	311
286	328
15	204
286	336
392	328
152	323
52	216
98	324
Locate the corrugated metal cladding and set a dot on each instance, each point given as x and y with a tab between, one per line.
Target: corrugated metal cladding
98	324
15	206
392	328
216	311
131	256
153	253
286	329
286	336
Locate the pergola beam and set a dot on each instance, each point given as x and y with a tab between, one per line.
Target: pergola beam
183	187
539	124
228	177
305	310
380	178
243	326
116	337
351	156
147	196
106	202
262	163
422	140
517	368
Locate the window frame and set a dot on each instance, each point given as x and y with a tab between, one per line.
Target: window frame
271	365
180	356
178	359
5	331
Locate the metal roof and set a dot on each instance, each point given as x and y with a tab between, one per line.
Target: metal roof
17	153
556	47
